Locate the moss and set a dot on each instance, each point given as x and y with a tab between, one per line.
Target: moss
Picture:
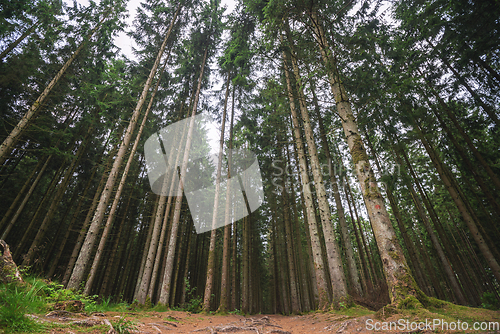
409	303
342	303
371	192
358	151
395	255
147	303
352	311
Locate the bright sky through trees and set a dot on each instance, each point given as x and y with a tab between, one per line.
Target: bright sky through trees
125	42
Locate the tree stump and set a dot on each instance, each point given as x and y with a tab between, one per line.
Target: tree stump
8	270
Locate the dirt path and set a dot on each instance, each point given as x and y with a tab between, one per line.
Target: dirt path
185	322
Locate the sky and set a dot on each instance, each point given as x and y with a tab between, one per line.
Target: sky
124	42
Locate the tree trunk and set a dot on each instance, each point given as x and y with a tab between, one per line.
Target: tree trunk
397	274
62	187
19	40
351	262
223	306
332	249
85	253
12	138
25	199
83	230
469	221
466	137
71	224
323	295
167	277
213	234
434	239
288	239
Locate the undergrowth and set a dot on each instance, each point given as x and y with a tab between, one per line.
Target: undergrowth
16	301
38	296
123	326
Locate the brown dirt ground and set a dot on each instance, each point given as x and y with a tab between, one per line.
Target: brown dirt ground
185	322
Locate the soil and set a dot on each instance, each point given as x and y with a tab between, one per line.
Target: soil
185	322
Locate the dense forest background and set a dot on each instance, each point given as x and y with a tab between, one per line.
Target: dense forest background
375	124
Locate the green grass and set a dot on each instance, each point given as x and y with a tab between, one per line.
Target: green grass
16	301
123	326
37	296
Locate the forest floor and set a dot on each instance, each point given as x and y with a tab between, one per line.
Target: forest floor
352	320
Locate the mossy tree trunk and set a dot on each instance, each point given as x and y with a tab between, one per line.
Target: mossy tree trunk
397	274
8	269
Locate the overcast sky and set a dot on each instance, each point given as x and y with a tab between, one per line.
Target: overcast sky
124	42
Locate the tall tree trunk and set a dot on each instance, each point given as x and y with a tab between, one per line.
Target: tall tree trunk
167	277
121	185
20	194
323	295
471	168
86	223
223	306
72	223
85	253
332	249
409	245
465	136
430	232
488	109
288	240
397	274
147	245
62	188
213	233
469	221
12	45
234	262
25	199
12	138
351	262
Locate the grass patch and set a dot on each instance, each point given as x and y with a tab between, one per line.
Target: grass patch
353	311
16	301
123	326
160	308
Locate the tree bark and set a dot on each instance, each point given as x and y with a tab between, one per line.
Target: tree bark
85	253
335	266
469	221
223	306
323	295
213	233
62	187
397	274
166	284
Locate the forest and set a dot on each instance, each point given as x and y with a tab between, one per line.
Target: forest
375	125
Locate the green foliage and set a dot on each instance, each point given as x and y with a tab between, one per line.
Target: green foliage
124	326
489	301
160	308
195	302
53	292
18	300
